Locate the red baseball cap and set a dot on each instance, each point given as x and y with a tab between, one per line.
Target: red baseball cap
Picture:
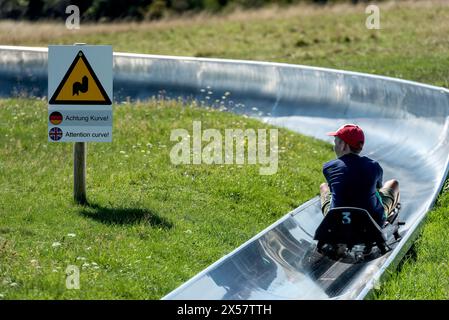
351	134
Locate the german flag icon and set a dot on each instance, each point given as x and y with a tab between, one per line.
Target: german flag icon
55	117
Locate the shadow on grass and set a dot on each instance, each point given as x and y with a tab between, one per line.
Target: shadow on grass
124	216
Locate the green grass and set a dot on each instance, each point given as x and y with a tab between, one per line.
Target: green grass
424	273
412	44
150	225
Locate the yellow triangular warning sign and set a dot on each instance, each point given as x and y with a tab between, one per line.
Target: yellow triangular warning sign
80	85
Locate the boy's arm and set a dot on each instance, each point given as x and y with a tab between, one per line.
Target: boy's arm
325	174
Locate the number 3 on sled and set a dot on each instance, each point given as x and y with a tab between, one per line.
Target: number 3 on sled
346	217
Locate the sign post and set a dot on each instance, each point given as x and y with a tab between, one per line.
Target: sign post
80	102
79	169
79	172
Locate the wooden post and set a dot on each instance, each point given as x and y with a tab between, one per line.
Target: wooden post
79	169
79	172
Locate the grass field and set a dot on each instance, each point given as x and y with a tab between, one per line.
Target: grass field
424	273
412	44
150	225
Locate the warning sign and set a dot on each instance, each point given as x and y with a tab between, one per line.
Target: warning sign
80	85
80	93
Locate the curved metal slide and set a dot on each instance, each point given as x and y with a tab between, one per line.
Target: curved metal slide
406	126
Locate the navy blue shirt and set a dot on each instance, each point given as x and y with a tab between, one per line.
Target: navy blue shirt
353	181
